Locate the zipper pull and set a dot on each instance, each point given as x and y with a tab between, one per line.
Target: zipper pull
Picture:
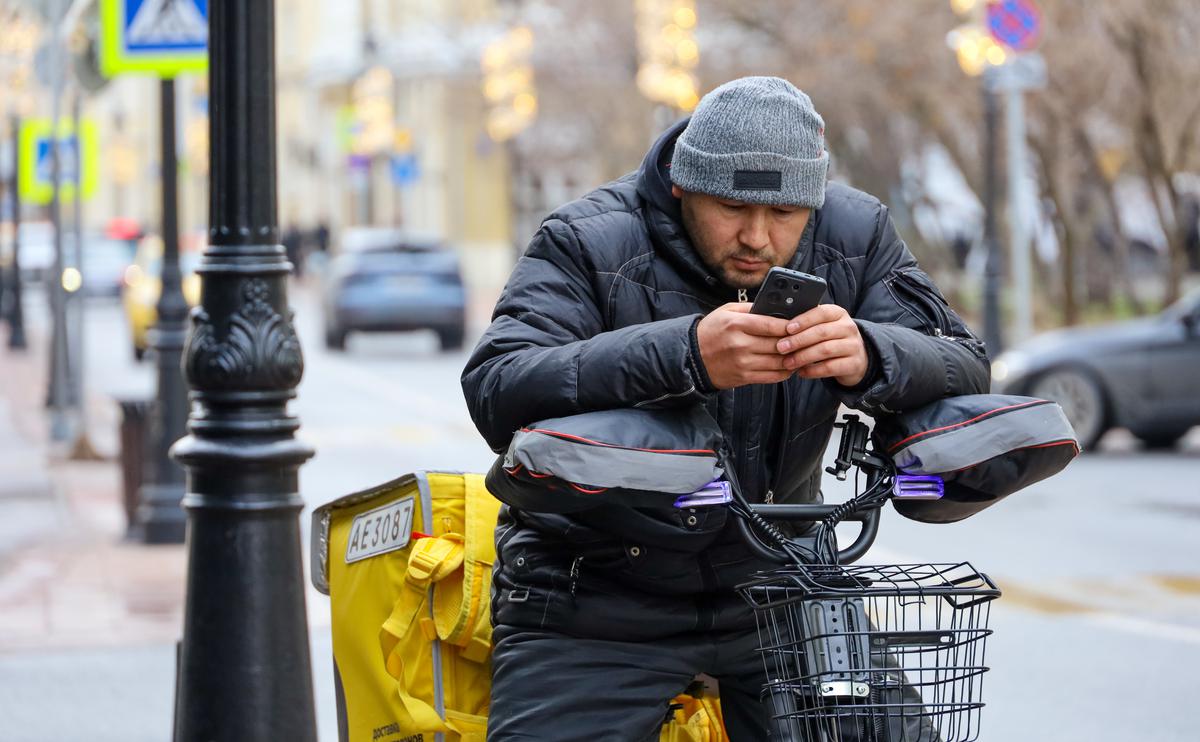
743	295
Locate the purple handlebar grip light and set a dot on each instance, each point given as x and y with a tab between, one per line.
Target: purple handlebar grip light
918	487
713	493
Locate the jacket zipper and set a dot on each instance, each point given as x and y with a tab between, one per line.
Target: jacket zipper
942	328
925	305
785	410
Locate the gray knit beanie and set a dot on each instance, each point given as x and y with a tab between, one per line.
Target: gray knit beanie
757	140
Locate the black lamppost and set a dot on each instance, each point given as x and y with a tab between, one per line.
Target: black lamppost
159	518
993	267
244	670
16	313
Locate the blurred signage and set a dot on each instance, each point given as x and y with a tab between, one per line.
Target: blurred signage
405	170
1014	23
75	150
1019	72
161	37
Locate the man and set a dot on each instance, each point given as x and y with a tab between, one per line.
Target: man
638	294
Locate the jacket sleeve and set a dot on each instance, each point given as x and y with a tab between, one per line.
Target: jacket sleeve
548	354
923	351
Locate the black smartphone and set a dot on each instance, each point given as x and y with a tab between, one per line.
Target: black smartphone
786	293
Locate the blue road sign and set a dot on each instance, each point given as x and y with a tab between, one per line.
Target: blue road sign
1014	23
68	159
405	170
166	25
160	36
77	158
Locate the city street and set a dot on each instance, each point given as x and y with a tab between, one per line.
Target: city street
1099	620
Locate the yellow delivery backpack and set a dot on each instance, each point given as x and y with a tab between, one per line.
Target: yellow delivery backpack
407	566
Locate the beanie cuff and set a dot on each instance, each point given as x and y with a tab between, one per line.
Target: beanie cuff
751	177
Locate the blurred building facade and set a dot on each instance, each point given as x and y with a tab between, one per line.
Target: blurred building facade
381	122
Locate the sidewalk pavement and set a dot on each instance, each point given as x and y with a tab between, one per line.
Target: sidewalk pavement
89	619
68	577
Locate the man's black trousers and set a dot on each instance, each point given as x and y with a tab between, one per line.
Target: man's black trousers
583	652
580	653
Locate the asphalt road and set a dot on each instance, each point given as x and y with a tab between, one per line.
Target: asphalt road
1098	624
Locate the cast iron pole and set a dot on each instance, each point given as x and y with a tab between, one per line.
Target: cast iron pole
57	393
159	517
16	313
244	671
993	267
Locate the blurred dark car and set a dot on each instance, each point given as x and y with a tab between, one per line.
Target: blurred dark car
395	284
1143	375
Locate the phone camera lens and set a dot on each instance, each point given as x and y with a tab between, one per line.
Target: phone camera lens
773	296
795	287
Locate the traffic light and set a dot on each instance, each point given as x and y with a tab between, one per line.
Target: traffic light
508	84
668	52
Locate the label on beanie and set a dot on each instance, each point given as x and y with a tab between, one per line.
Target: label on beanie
757	180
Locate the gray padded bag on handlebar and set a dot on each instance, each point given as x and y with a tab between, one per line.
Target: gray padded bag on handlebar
984	446
631	456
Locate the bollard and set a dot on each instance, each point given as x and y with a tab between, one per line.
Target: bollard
134	419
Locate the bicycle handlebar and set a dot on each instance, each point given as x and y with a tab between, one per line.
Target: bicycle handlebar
852	451
811	514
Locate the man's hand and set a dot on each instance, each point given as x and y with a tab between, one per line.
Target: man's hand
825	343
739	348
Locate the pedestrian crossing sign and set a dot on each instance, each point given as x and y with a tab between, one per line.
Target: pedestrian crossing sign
161	37
75	150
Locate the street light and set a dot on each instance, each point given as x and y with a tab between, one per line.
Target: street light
508	83
976	52
244	667
667	52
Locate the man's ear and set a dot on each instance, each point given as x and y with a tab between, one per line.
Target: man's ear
676	191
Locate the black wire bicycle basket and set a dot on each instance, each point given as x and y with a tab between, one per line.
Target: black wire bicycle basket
873	653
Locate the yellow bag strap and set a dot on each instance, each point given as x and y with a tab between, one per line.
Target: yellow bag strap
429	561
461	615
460	607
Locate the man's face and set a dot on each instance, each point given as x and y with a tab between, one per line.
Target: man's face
740	242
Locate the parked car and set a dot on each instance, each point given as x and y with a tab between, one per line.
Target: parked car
37	250
106	263
1143	375
394	283
143	284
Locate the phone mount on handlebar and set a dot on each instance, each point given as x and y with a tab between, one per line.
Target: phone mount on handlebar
852	449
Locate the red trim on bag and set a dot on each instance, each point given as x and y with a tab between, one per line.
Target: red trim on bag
587	491
894	446
517	469
1055	443
581	439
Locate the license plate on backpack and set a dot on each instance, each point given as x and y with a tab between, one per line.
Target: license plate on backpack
381	530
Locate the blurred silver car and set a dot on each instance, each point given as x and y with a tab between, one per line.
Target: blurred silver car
1143	375
397	284
106	264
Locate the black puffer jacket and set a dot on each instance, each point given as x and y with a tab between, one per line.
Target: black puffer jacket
599	313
